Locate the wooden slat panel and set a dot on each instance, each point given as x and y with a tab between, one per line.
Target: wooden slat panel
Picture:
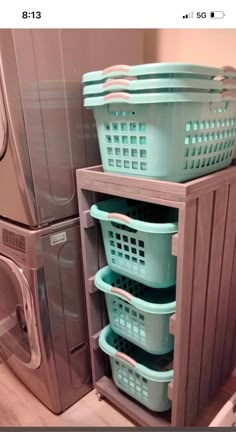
212	182
211	410
217	246
186	244
230	341
229	385
224	290
202	253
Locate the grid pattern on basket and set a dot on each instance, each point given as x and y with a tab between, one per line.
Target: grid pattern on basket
125	249
126	145
131	381
128	321
208	143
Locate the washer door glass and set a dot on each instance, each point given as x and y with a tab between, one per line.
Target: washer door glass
18	330
3	126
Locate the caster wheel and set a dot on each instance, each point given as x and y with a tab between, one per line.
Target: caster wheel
99	396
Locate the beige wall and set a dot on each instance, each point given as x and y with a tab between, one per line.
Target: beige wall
203	46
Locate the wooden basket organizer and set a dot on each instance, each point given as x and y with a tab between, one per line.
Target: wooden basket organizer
204	325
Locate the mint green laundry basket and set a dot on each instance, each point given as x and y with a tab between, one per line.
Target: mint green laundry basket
156	85
167	136
158	70
138	313
143	376
137	238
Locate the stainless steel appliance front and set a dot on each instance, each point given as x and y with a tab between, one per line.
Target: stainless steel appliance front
43	325
44	131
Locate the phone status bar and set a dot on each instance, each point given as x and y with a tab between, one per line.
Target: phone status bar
205	15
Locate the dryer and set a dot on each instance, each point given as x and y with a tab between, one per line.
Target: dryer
43	325
44	131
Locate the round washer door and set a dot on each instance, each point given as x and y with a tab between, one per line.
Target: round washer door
18	326
3	126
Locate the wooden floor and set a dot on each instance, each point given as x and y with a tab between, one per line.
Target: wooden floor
18	407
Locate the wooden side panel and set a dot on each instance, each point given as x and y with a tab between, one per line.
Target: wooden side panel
211	182
217	246
185	260
89	239
224	294
230	341
202	253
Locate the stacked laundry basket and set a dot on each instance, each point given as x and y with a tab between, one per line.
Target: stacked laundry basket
171	122
139	286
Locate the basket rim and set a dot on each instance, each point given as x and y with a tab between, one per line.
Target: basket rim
155	68
144	371
146	227
142	305
156	98
157	83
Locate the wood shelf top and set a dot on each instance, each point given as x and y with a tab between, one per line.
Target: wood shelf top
175	194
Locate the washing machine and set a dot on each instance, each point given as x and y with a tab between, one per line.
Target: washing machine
43	325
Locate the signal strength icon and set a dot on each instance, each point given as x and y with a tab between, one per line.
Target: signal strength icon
189	15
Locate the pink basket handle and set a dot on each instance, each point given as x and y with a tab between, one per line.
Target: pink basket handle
120	217
230	81
118	95
114	82
122	293
229	69
228	93
116	68
126	358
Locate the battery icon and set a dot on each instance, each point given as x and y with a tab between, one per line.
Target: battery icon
217	14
